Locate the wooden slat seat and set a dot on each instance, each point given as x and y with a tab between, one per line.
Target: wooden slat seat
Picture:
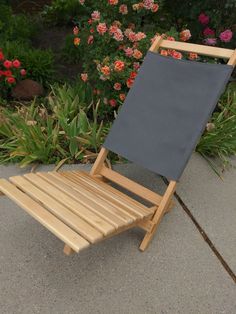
76	206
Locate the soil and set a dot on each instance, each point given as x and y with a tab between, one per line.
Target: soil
28	6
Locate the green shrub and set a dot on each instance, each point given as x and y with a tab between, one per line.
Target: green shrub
39	63
62	12
219	139
64	129
15	27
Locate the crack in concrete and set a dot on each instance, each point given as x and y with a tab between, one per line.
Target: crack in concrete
204	235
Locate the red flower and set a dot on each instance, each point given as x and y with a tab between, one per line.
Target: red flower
133	75
11	80
23	72
7	73
16	63
117	86
129	82
1	56
7	64
112	102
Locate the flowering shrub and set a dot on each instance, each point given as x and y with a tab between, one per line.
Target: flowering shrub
114	40
11	71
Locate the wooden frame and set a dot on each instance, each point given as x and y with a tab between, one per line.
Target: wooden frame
82	208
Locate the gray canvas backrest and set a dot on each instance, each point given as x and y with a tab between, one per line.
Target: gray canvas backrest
166	112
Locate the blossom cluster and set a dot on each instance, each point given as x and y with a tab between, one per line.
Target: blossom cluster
10	70
116	48
209	34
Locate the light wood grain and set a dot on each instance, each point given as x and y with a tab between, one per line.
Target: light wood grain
60	211
99	161
216	52
165	202
232	60
80	210
83	197
156	44
58	228
131	186
94	199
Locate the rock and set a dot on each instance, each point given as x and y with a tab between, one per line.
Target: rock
27	90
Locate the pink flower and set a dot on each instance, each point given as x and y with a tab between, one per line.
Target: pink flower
210	41
90	40
148	4
16	63
112	29
226	36
132	36
123	9
203	19
129	52
117	86
82	2
208	32
185	35
96	16
84	77
171	38
136	66
118	35
1	55
192	56
139	36
137	54
7	64
76	30
23	72
102	28
112	102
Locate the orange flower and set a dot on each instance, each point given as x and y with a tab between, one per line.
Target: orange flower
137	54
122	97
192	56
113	2
164	52
76	41
176	54
119	66
105	70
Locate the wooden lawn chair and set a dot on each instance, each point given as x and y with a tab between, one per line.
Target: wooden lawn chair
158	127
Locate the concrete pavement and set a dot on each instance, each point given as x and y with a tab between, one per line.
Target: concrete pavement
179	273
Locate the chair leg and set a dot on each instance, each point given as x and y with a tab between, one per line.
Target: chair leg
164	206
68	250
1	194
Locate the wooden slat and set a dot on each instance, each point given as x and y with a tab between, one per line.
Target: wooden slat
56	208
127	200
199	49
79	186
156	44
126	212
74	206
232	60
81	195
131	186
109	192
108	189
58	228
99	161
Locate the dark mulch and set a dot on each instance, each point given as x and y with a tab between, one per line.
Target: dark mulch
28	6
